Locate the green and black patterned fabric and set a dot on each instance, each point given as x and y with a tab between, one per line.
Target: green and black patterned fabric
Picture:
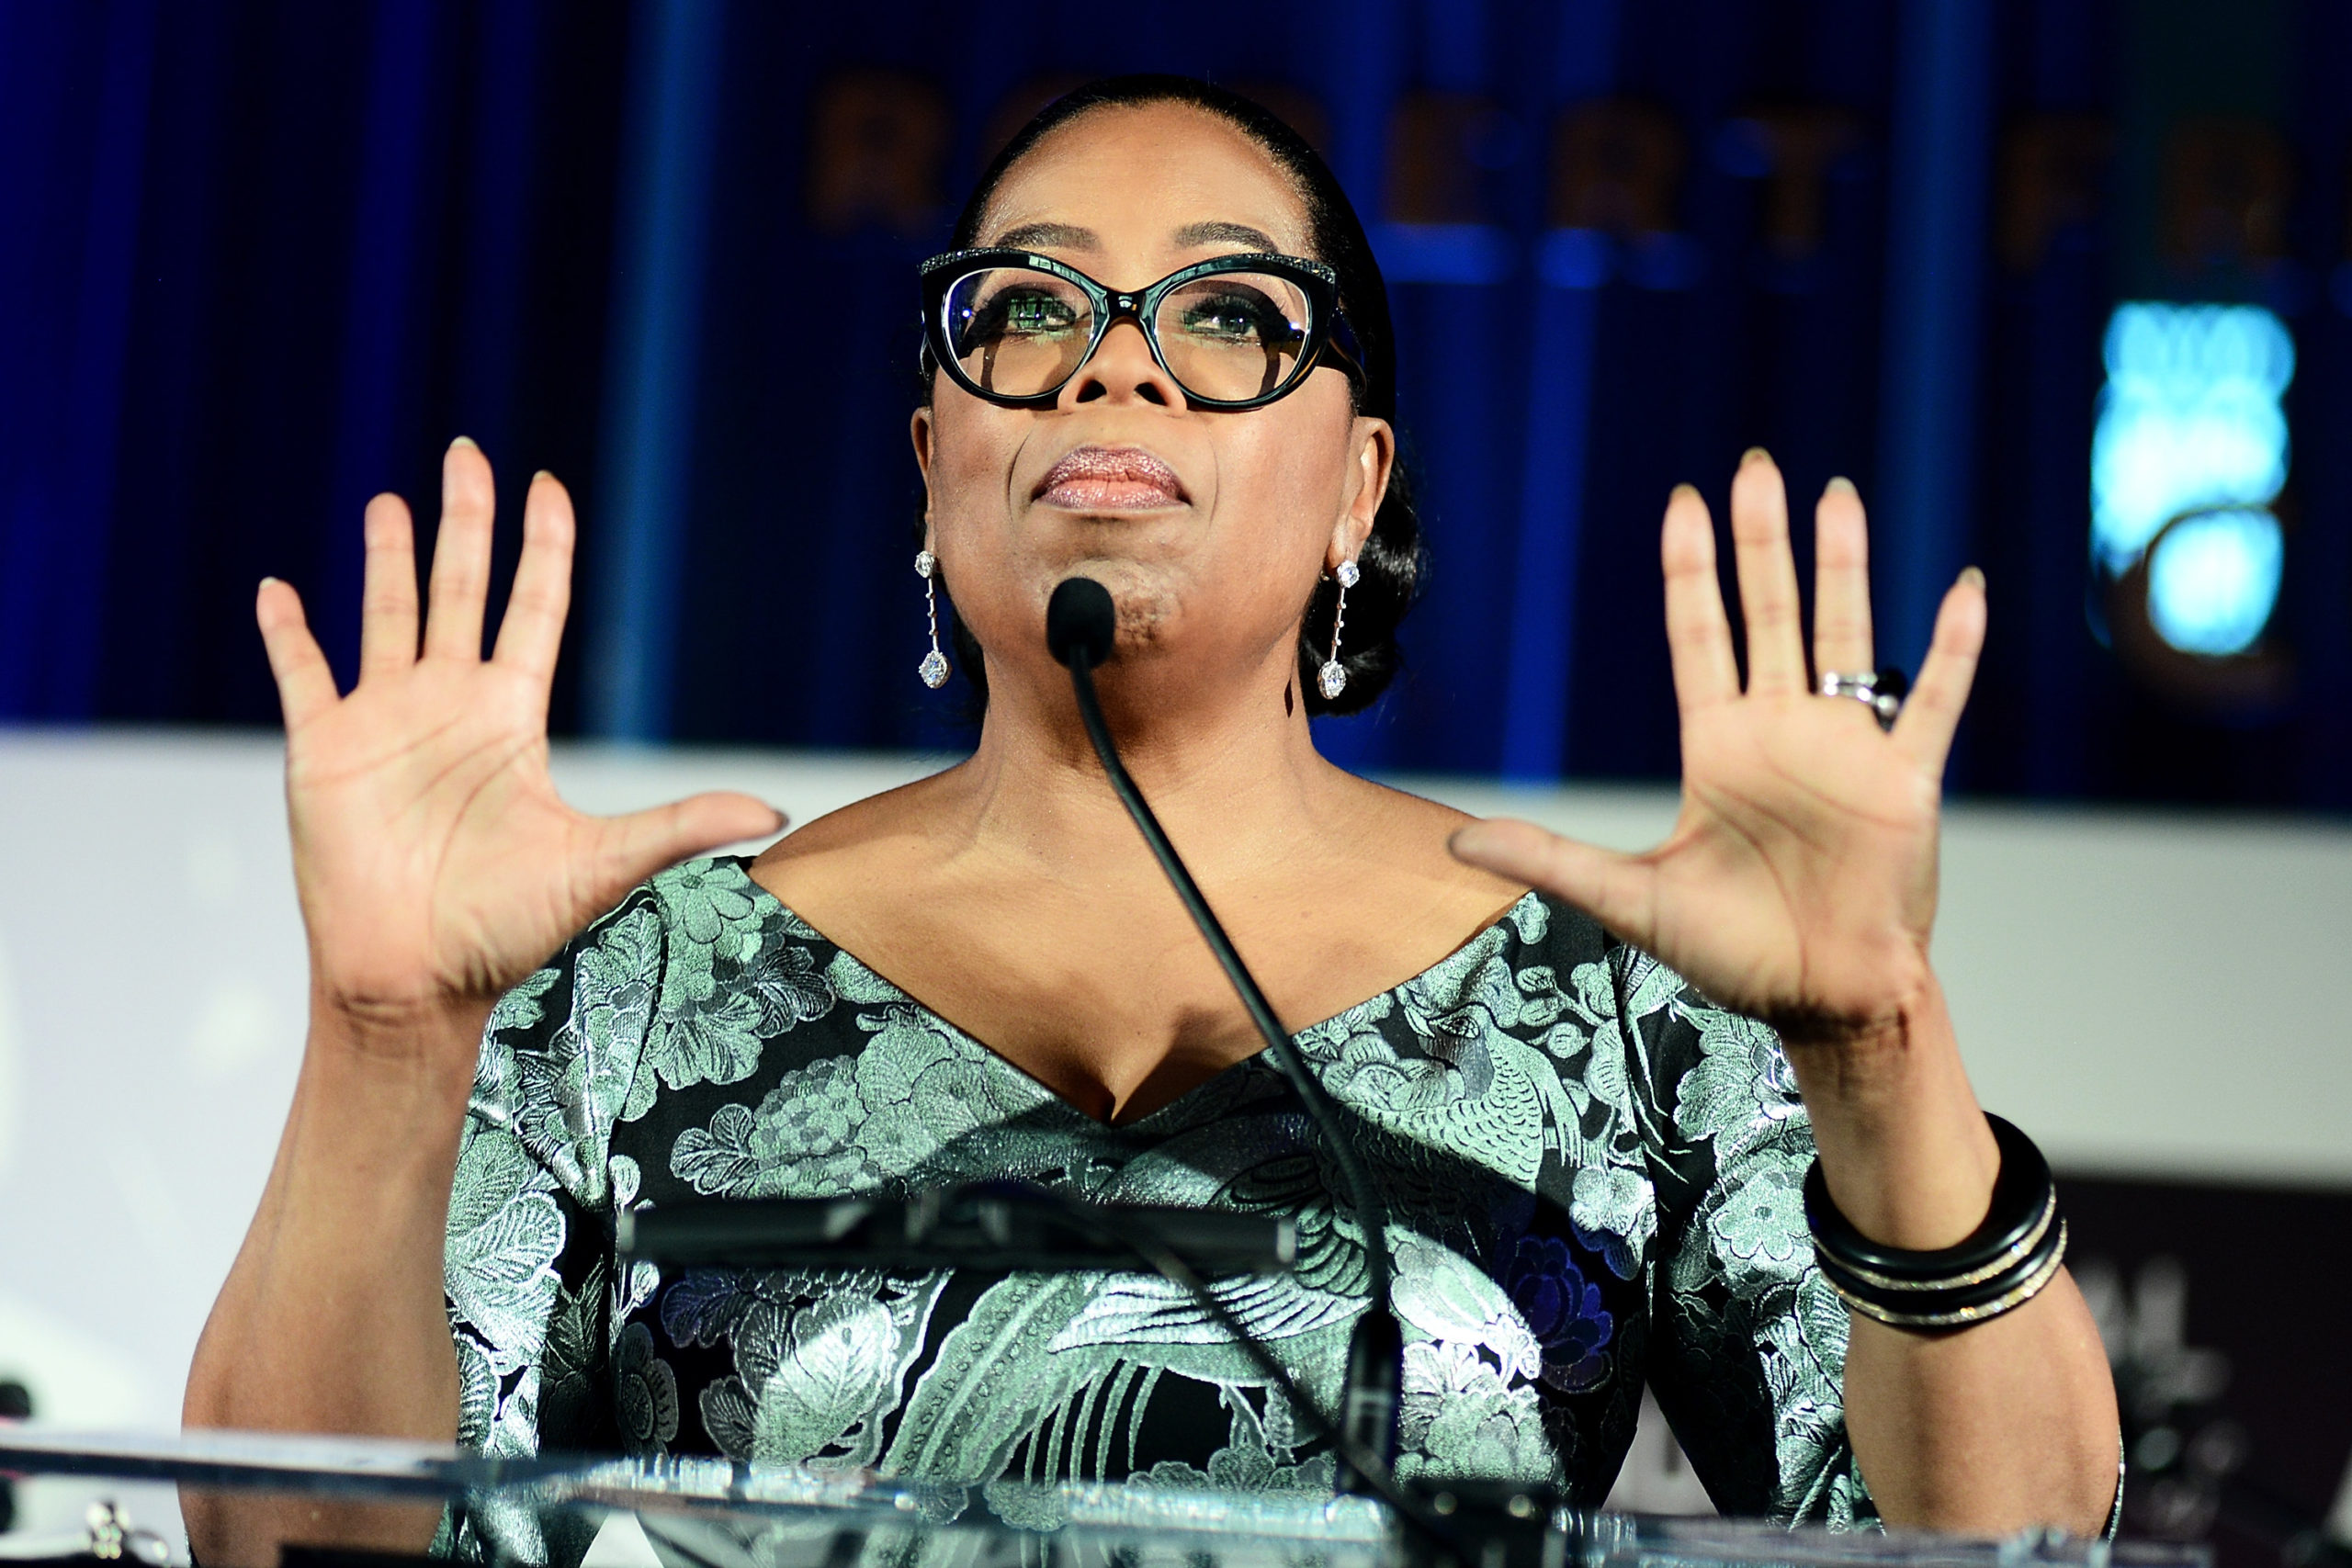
1594	1177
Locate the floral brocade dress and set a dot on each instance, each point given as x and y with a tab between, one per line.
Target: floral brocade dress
1593	1175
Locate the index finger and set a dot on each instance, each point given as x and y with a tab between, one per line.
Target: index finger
305	684
1841	579
532	632
1932	713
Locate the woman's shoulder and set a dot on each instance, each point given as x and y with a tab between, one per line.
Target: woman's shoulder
1401	837
673	937
882	840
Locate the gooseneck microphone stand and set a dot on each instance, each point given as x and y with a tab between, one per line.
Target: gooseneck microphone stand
1081	627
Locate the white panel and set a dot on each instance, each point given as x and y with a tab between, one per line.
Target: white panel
2147	994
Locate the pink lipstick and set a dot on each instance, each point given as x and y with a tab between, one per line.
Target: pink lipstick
1111	478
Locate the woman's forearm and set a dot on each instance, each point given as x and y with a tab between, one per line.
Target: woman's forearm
332	1318
2007	1424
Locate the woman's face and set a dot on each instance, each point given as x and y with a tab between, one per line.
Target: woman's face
1209	528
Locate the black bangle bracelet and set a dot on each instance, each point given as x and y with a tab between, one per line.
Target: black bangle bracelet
1957	1307
2021	1193
2001	1266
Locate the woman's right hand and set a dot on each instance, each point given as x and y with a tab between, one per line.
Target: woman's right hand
436	864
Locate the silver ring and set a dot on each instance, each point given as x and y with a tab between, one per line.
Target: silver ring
1880	691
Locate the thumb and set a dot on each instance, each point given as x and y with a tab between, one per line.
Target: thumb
1618	890
632	848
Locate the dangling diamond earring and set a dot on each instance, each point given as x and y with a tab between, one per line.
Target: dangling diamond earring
1333	677
934	668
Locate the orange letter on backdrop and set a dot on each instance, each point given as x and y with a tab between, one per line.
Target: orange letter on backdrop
1433	174
1616	165
2052	166
878	142
2226	186
1799	144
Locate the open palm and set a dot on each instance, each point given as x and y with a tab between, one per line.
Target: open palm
436	864
1799	882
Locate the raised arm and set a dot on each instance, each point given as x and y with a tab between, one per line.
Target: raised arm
1799	887
437	867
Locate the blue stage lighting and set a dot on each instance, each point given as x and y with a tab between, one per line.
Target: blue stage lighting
2190	420
2214	578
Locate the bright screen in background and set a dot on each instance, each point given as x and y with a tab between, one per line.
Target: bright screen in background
2190	422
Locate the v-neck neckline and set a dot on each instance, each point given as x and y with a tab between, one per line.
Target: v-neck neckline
1255	1061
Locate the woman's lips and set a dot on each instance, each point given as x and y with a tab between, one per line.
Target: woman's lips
1111	478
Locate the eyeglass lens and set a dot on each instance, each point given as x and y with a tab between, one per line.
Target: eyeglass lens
1226	337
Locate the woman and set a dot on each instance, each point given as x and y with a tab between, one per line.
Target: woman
1593	1167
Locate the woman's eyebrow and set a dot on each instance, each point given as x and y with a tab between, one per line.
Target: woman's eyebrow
1071	237
1063	236
1224	233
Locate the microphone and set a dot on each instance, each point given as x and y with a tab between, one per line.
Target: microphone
987	1225
1082	622
1081	632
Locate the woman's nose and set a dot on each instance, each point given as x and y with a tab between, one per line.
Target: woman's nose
1123	370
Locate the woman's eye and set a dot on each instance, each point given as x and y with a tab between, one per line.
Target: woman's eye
1232	319
1238	318
1032	315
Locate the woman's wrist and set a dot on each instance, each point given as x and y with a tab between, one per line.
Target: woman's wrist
425	1030
1903	1145
405	1066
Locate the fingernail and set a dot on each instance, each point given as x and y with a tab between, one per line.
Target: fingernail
1683	490
463	440
265	582
1972	578
542	474
1840	485
1754	454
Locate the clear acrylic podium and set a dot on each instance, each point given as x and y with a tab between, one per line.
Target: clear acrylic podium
330	1502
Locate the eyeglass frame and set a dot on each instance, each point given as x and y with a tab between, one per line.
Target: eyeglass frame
1328	333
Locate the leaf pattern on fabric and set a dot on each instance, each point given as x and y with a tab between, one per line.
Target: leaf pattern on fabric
1593	1174
831	1380
504	1234
477	1391
568	1373
1739	1089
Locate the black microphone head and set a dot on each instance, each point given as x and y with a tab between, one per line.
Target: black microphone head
1081	617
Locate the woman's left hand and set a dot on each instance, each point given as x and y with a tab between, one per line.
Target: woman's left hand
1798	887
1799	882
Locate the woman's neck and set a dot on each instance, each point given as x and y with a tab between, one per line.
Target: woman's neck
1234	778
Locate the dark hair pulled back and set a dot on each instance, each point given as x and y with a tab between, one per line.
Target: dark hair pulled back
1393	556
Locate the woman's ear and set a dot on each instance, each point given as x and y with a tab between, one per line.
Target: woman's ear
919	428
1374	442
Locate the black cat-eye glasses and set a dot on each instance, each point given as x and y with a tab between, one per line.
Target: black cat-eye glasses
1234	332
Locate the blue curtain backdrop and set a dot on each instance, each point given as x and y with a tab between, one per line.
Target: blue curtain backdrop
259	260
